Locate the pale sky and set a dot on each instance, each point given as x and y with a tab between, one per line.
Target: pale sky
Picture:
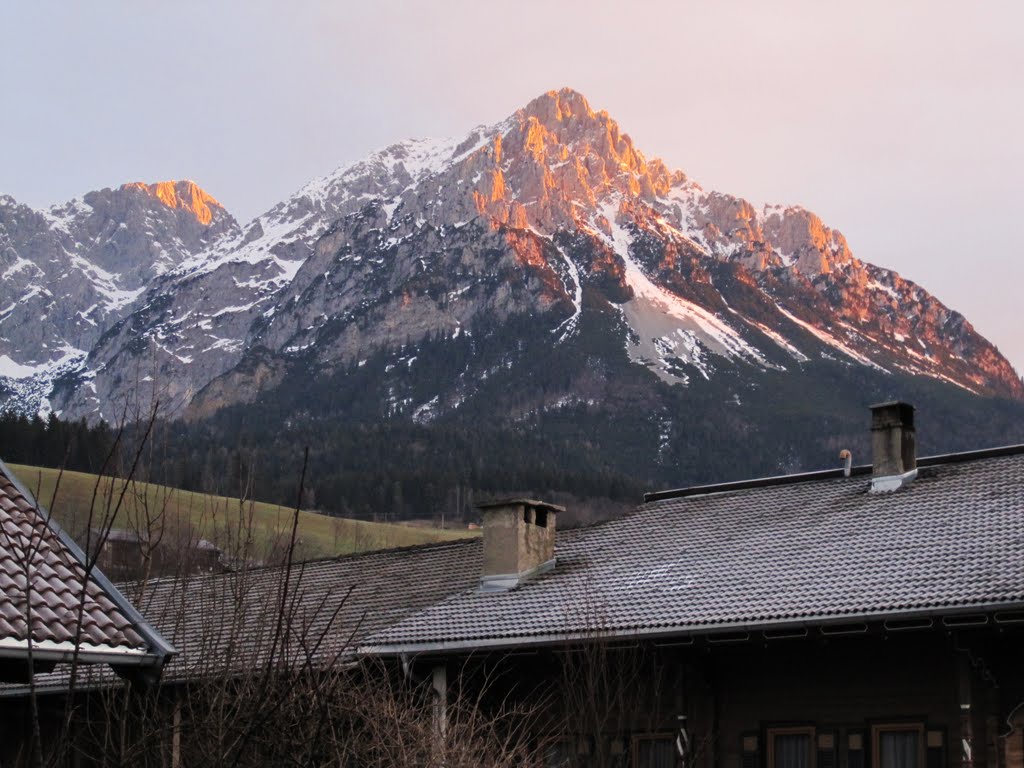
899	123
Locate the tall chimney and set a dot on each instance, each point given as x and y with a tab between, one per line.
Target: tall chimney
519	542
893	453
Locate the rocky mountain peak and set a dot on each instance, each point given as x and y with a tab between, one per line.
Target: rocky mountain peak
550	166
560	127
184	195
73	270
559	106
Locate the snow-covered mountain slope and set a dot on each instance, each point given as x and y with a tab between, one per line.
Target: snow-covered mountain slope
72	271
526	218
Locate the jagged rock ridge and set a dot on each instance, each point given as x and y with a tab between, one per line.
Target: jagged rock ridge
528	217
72	271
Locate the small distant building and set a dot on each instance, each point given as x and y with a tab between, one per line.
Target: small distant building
124	555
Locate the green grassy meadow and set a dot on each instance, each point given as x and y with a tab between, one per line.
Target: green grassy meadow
253	530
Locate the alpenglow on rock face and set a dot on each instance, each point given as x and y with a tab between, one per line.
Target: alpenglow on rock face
72	271
543	215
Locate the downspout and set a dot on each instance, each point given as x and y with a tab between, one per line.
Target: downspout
966	724
407	668
682	740
971	673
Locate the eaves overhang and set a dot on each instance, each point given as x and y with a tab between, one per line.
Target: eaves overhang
67	653
682	632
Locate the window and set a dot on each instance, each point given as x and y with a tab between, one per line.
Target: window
898	746
569	752
657	751
791	747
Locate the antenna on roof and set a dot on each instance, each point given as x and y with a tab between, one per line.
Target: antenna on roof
847	458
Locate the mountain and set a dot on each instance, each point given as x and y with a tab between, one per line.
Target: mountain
540	273
72	271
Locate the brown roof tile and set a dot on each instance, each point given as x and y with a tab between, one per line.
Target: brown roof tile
44	593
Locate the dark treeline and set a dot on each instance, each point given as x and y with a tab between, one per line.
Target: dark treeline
51	442
392	469
385	471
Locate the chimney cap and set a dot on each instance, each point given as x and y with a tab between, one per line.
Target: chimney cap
893	413
515	502
901	404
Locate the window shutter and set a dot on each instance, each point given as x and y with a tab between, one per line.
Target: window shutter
828	754
749	752
855	755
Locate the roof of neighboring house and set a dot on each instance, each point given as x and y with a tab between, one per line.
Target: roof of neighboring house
808	549
228	621
330	605
47	603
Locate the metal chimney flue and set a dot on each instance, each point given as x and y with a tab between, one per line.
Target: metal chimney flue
893	449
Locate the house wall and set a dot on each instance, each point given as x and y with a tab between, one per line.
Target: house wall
958	686
838	688
15	733
18	746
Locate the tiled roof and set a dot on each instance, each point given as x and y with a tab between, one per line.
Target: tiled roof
227	622
330	606
42	577
815	550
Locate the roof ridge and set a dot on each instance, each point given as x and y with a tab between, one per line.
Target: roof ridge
982	453
827	474
348	556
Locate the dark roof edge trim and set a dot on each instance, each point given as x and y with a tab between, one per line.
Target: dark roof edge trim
984	453
696	630
88	655
760	482
161	647
828	474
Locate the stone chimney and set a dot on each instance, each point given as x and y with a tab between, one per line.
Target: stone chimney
519	542
893	452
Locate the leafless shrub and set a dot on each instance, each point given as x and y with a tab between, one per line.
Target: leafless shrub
471	721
